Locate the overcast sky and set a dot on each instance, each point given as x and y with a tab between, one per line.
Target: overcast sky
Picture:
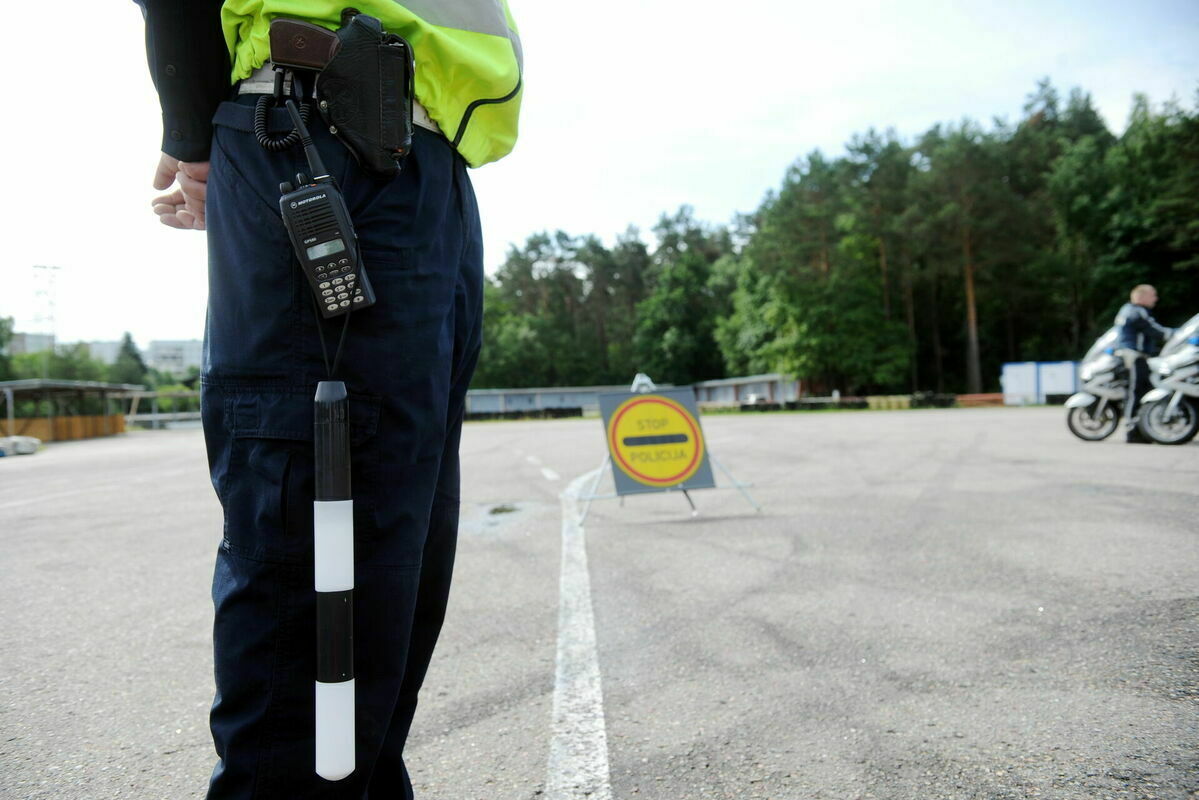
630	110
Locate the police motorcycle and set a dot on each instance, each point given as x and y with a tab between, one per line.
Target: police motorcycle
1170	411
1095	412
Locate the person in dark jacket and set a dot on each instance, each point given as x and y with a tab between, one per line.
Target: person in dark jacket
1140	336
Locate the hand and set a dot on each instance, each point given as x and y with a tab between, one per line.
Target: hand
184	207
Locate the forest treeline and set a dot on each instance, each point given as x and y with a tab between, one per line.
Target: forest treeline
898	266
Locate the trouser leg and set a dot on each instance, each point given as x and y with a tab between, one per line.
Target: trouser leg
1139	384
391	777
403	366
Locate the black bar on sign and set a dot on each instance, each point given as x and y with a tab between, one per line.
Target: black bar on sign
666	438
334	636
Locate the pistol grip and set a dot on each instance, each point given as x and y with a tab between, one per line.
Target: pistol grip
301	45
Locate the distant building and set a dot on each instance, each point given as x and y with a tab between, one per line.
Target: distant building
746	390
23	343
175	357
104	352
750	389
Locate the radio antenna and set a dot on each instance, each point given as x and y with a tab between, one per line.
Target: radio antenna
315	164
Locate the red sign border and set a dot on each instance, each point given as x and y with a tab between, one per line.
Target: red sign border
674	405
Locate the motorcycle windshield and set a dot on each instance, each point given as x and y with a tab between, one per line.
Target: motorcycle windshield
1102	343
1181	334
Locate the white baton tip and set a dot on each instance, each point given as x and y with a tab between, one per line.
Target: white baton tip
334	730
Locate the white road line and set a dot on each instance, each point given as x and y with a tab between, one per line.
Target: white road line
114	489
29	501
533	460
550	475
578	762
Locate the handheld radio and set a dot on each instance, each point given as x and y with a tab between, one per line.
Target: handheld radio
322	234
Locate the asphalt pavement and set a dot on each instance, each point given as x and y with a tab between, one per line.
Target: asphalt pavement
932	604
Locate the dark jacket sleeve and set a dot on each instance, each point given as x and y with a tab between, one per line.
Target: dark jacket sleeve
1144	323
1139	330
189	64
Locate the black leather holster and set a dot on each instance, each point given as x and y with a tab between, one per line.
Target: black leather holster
364	94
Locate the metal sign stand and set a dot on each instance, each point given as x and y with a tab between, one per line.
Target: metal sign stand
643	384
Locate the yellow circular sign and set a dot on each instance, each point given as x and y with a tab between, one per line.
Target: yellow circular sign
655	440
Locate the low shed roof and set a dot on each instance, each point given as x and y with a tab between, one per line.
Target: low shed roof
54	386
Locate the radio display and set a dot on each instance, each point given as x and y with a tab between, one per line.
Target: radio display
326	249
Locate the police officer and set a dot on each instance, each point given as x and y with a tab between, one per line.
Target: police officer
407	362
1140	335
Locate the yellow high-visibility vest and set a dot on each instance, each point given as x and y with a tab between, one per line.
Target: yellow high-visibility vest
468	59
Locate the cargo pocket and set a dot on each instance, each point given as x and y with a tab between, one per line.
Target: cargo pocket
267	484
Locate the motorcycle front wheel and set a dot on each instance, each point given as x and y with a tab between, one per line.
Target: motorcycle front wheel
1178	428
1083	423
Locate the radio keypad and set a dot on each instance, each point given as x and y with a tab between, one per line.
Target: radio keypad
337	285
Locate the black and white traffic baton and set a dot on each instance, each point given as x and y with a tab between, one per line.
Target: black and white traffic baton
333	533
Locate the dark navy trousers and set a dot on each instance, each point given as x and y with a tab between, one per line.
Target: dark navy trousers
407	362
1138	386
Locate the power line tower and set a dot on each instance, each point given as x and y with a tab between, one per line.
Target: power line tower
45	300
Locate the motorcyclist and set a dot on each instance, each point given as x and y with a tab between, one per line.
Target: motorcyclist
1140	336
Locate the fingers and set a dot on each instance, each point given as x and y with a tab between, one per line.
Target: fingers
173	211
175	198
184	207
182	219
164	174
174	221
193	180
194	191
195	169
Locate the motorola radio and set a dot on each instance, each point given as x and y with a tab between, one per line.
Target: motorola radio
322	234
